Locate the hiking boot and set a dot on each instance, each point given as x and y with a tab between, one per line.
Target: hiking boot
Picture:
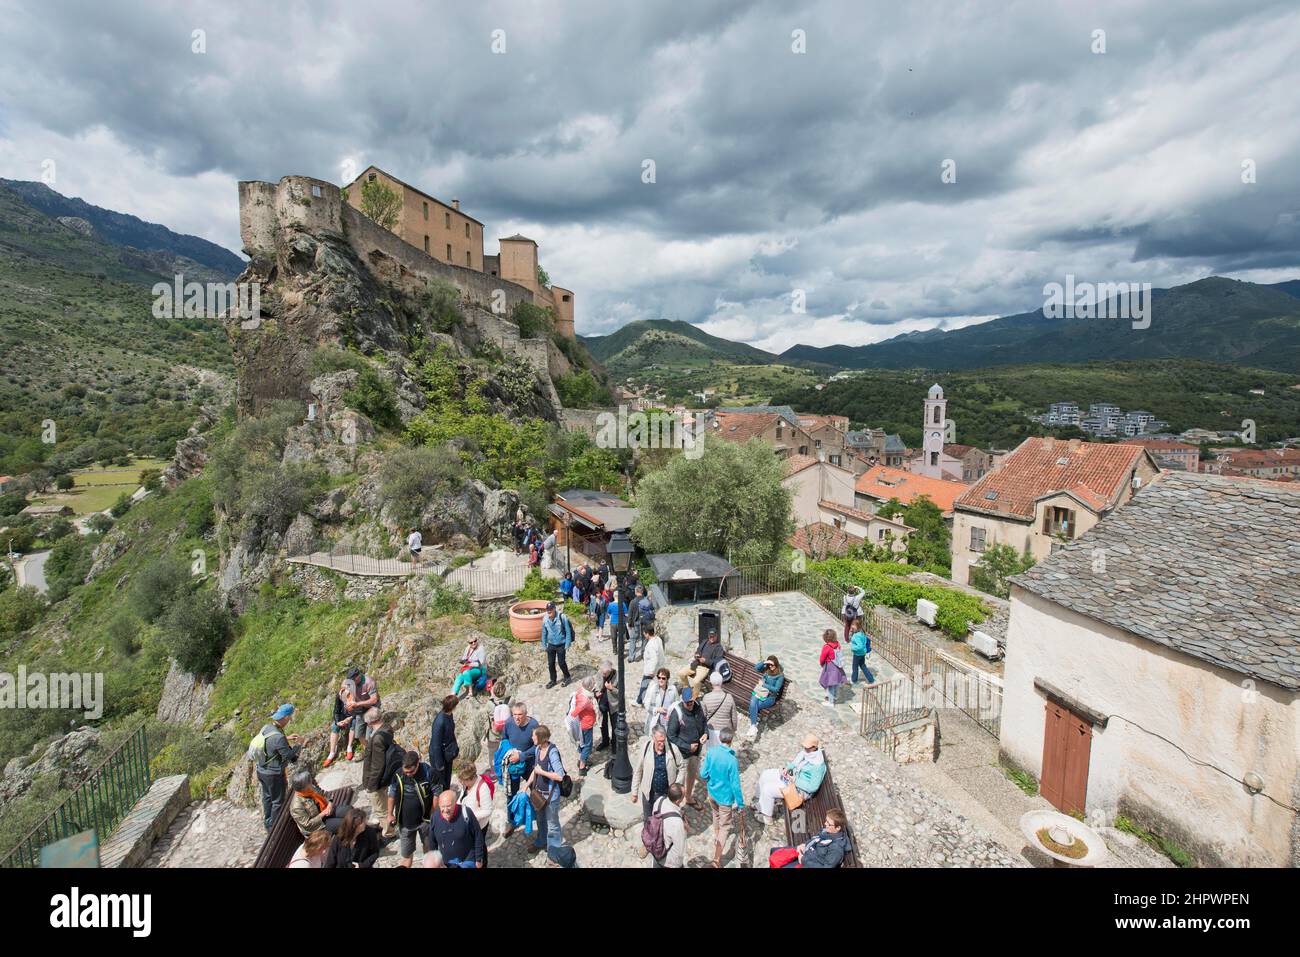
565	682
550	684
603	746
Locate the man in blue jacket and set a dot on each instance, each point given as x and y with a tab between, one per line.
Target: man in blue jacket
721	772
519	732
557	634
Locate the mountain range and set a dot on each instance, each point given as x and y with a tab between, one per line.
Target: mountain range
1215	319
148	246
1224	320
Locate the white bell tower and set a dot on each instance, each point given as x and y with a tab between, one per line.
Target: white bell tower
936	413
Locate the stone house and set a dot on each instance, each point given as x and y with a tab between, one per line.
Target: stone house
1153	669
1048	491
1171	454
966	463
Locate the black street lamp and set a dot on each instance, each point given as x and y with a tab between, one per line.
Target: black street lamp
620	550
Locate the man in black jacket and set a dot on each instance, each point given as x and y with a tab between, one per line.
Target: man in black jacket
687	732
454	833
410	801
443	748
374	776
707	658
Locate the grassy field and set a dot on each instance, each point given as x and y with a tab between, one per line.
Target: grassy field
97	489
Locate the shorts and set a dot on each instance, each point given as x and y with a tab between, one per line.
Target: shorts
406	840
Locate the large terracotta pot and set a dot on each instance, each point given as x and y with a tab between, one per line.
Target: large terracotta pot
526	619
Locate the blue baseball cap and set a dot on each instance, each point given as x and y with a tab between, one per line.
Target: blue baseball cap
687	695
282	712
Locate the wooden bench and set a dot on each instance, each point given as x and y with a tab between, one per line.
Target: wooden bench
810	817
744	679
285	838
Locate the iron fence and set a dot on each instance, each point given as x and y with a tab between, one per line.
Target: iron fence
99	803
939	678
888	706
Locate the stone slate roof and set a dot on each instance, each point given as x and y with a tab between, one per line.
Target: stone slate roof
894	445
1207	566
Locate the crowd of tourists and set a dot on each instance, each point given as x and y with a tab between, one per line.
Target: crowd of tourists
450	809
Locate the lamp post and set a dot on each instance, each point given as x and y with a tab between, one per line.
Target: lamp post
620	551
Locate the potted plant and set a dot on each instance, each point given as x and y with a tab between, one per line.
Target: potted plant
527	612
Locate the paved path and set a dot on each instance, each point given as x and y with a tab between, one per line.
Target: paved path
495	575
359	565
30	571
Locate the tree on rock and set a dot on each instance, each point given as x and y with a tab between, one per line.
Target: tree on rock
729	501
380	203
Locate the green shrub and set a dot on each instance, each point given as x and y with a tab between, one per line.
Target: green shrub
412	478
194	630
957	610
123	633
63	482
67	566
537	587
20	538
121	506
161	582
200	754
373	397
327	359
20	608
99	523
533	321
449	600
12	503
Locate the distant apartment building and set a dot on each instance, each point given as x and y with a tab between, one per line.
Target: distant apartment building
1048	491
1062	413
442	231
1170	454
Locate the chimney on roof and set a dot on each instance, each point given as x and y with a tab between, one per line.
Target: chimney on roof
455	204
1048	442
1074	445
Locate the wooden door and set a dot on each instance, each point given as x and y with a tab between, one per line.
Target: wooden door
1067	746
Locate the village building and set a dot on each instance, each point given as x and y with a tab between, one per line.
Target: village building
824	494
1153	669
1048	491
782	433
584	520
969	464
1278	464
1171	454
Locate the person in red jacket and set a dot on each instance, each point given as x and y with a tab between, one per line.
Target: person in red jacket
832	662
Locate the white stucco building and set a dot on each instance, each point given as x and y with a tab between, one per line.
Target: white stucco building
1153	669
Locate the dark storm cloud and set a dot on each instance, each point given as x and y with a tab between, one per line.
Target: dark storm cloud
775	171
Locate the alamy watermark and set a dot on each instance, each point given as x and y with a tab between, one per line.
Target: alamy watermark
655	430
208	300
58	690
1102	300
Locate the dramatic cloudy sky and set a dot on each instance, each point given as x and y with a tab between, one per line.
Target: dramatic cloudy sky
775	171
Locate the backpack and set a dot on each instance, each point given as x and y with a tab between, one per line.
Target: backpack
257	748
724	670
500	715
652	835
839	658
568	630
572	723
394	755
647	608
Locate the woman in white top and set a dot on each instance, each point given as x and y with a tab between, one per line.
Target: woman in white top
659	700
312	851
652	658
477	794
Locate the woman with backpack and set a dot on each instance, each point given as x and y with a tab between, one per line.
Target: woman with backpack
478	793
860	645
832	662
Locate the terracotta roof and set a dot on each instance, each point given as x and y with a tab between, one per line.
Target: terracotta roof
884	483
810	421
859	514
742	426
828	539
1094	472
797	463
1204	565
1261	458
957	451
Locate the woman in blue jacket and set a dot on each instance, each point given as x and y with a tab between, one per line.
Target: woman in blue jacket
765	692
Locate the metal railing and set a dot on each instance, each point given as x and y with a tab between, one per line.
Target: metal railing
931	673
99	803
888	706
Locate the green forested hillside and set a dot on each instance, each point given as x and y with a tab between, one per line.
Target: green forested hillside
990	406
